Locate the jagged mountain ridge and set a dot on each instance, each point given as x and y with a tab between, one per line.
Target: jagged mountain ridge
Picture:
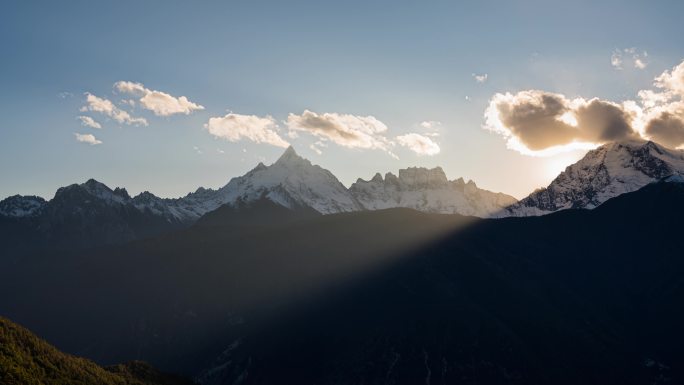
606	172
293	181
428	190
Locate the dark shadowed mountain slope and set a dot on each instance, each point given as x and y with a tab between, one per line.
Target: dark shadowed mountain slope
578	297
168	299
390	296
26	359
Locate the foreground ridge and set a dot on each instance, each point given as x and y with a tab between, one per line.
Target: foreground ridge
27	359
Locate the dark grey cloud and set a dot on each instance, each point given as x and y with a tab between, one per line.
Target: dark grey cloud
666	128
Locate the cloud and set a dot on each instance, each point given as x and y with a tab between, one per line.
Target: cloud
534	121
480	78
87	138
618	57
672	82
88	121
537	122
351	131
667	128
127	102
315	149
640	63
430	124
421	145
106	107
161	103
234	127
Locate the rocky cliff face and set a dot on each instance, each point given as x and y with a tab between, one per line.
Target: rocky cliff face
429	190
604	173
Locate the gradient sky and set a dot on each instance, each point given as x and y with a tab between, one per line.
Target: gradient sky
401	62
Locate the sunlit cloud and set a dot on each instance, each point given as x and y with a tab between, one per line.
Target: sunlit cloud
536	122
160	103
87	138
107	108
235	127
88	121
351	131
420	144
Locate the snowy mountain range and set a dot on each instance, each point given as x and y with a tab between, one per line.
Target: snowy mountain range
292	182
606	172
92	211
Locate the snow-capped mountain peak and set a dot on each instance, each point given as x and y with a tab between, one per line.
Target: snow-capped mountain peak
291	181
290	156
428	190
606	172
18	206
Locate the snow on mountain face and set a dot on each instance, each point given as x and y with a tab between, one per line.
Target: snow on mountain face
18	206
428	190
291	181
604	173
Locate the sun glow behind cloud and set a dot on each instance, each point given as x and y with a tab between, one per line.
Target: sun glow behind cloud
541	123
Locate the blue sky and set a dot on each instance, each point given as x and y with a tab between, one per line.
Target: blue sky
402	63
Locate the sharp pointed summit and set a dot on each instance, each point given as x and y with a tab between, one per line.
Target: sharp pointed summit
290	156
292	181
289	151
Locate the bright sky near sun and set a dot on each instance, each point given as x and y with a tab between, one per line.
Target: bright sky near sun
169	96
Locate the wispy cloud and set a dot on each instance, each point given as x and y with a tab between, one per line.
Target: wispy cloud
106	107
315	149
630	55
480	78
161	103
430	124
88	121
420	144
235	127
87	138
